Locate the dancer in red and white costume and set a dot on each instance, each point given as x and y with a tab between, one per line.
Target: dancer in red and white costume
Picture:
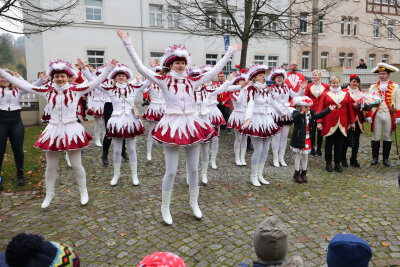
260	125
282	94
155	111
123	123
96	100
63	133
237	120
294	78
179	126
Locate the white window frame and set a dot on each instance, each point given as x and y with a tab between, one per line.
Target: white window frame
158	16
376	28
226	22
258	21
377	1
385	2
228	66
355	23
349	26
211	59
93	8
305	60
96	57
350	57
173	17
341	59
372	59
390	29
320	24
259	59
342	30
273	61
324	60
156	55
385	58
303	23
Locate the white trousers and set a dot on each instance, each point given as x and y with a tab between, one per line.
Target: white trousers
382	123
300	158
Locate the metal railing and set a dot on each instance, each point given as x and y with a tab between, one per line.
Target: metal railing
29	101
366	76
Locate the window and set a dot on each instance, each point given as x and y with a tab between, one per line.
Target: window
350	60
372	60
390	29
95	58
258	21
305	60
376	28
385	58
320	24
211	59
303	22
341	59
385	2
392	2
155	15
156	55
228	67
259	60
348	26
355	26
210	21
173	17
377	1
226	22
94	10
342	26
324	60
272	62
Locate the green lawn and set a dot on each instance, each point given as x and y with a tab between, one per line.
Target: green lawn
35	163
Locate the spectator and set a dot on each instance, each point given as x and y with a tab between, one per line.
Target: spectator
285	66
361	64
164	259
31	250
294	78
270	245
347	250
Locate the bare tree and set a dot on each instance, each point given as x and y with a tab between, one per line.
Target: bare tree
32	16
244	19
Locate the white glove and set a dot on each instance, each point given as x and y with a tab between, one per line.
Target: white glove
397	121
369	120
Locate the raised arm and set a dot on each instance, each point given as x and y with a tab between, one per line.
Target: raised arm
301	91
99	79
146	72
146	84
20	83
88	75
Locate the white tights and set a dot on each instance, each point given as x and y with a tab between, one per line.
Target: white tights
261	147
205	152
215	142
303	158
240	141
152	124
131	145
279	141
98	128
171	165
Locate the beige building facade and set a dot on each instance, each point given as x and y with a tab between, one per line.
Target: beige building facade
353	30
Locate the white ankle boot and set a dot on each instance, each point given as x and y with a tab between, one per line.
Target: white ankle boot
254	174
237	157
166	200
117	172
50	183
214	159
282	158
149	146
81	181
97	139
194	195
204	169
275	154
260	174
135	179
243	157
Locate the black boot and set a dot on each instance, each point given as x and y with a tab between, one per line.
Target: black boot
313	151
328	167
353	159
386	152
304	176
124	155
20	177
104	159
375	152
297	177
338	168
319	151
344	159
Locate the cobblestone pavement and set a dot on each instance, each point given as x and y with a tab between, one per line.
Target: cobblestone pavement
122	224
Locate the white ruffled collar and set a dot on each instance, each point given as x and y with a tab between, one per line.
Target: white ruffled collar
121	85
176	75
61	88
260	85
353	90
337	90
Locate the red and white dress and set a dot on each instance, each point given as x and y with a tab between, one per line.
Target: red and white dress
63	131
215	114
282	95
356	95
237	118
96	100
260	109
180	125
155	111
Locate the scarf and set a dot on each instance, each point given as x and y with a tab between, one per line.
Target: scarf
176	75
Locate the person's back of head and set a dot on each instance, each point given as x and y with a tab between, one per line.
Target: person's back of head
32	251
347	250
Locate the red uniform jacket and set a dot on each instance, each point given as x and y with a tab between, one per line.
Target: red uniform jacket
294	80
311	93
341	117
223	96
358	114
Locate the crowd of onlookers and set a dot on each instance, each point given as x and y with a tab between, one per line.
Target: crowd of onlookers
270	245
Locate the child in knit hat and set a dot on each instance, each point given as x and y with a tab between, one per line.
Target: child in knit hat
270	245
347	250
162	259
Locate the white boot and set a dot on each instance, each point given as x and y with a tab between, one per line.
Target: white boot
204	169
254	174
67	159
275	153
282	158
97	139
260	174
149	146
135	179
243	156
117	172
81	181
50	183
237	157
214	159
166	200
194	195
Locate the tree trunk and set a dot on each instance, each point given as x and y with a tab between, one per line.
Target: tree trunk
243	54
314	36
248	5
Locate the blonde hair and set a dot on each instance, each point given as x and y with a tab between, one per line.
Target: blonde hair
334	78
317	71
12	86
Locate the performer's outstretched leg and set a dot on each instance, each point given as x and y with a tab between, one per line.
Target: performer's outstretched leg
275	148
255	159
80	174
243	148
52	161
283	143
131	143
236	148
205	158
97	130
117	160
152	124
214	150
264	155
192	163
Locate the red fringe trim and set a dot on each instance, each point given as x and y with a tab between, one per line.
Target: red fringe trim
69	146
125	132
